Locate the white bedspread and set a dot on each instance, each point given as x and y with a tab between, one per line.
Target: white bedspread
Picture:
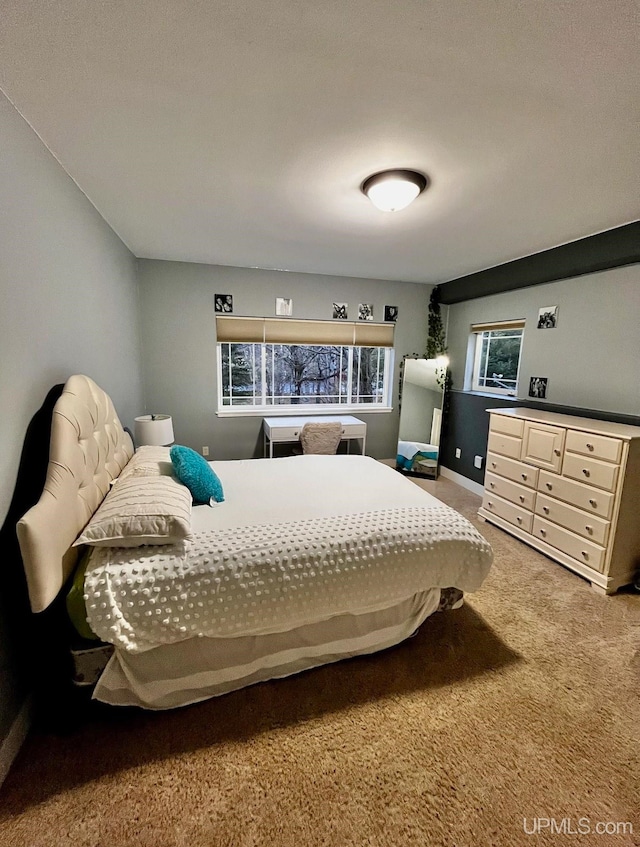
297	540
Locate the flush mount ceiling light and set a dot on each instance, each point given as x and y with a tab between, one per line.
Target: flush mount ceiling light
393	190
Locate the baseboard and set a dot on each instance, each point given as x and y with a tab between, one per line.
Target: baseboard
464	481
11	745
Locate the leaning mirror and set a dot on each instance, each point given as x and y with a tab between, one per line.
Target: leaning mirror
422	383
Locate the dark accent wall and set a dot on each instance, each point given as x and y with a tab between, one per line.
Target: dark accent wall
467	426
611	249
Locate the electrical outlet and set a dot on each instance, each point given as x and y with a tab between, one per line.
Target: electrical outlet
477	462
458	452
205	451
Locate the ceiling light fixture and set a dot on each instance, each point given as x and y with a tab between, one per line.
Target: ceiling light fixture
393	190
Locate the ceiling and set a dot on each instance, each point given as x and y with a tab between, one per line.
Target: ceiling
238	133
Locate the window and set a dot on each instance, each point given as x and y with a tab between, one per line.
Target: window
496	351
280	373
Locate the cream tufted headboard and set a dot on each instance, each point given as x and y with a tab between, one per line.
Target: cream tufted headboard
88	450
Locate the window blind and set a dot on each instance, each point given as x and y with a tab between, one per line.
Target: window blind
232	328
498	325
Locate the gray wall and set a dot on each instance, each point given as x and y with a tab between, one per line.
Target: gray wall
592	357
179	354
68	305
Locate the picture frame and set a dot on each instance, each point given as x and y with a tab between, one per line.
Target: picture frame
365	312
547	317
340	311
538	386
224	303
284	307
391	314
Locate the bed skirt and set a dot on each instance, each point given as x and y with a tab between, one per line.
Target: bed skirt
189	671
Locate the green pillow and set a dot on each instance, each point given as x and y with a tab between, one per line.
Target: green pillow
76	608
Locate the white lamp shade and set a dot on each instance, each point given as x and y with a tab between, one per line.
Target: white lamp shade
154	429
393	194
393	190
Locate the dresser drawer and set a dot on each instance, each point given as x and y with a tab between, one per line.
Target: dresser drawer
596	446
508	511
591	471
524	474
517	494
506	445
506	425
542	445
573	545
588	526
592	500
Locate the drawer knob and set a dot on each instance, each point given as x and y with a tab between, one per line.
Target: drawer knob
493	464
545	509
524	476
549	486
519	519
557	452
589	529
590	447
492	485
586	472
593	503
543	532
489	504
585	554
521	498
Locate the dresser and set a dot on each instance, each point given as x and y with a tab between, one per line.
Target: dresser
570	487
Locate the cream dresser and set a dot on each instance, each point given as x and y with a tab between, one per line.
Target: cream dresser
568	486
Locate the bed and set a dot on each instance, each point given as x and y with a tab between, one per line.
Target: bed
310	559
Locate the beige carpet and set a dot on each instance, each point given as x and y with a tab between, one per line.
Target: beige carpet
524	704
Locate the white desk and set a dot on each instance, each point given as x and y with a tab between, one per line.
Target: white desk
281	429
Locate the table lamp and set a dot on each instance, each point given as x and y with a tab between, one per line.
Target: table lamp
154	429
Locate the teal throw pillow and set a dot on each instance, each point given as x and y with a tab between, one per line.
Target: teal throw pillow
196	473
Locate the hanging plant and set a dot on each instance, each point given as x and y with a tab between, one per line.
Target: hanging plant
435	341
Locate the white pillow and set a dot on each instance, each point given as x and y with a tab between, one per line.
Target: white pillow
141	510
148	461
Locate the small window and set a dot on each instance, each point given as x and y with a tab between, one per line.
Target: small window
496	351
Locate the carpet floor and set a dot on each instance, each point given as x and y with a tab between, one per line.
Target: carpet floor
514	720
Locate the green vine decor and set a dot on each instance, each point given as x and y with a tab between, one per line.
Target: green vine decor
435	341
436	347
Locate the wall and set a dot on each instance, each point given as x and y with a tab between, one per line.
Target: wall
179	352
591	357
68	304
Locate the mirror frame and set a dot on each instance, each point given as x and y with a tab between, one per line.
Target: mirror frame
443	378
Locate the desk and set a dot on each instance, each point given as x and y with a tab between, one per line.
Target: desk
281	429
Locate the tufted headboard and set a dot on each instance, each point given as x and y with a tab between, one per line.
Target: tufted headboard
88	450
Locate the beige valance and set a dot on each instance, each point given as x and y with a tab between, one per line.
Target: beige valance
498	325
233	328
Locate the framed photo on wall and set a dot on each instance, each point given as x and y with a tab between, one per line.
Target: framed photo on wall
547	317
284	306
224	303
538	387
